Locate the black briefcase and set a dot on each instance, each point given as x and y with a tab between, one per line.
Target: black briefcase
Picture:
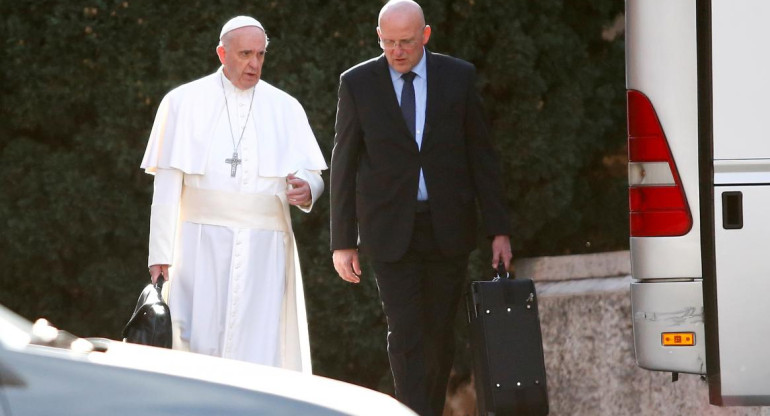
507	347
150	324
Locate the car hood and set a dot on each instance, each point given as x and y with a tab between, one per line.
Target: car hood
344	397
39	363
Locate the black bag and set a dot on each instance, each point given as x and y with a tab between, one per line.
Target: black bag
150	323
507	347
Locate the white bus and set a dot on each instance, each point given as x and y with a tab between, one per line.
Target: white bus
698	86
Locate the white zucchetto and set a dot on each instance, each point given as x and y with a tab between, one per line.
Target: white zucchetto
239	22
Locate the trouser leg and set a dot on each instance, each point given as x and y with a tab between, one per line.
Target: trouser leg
443	286
420	295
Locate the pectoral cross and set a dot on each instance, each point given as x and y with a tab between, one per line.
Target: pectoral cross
234	162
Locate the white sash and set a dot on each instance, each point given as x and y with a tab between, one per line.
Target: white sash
232	209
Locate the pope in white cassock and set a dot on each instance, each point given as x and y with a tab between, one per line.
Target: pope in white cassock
230	154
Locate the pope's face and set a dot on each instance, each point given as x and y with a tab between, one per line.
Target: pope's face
402	37
242	54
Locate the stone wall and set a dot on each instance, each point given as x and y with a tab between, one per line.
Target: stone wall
585	313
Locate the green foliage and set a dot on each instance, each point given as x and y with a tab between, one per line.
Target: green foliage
81	83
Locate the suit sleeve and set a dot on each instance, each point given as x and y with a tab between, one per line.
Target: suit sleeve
485	165
348	140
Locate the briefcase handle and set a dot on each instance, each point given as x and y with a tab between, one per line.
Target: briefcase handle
501	272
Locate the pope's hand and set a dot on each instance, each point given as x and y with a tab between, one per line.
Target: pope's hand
158	270
346	264
299	191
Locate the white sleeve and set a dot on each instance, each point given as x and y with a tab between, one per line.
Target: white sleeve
164	215
316	183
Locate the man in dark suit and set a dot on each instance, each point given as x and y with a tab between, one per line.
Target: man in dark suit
412	159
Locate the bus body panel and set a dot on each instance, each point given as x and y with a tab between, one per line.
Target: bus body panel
660	64
740	67
673	48
741	146
667	307
665	257
743	287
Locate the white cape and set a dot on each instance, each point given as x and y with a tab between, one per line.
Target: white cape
286	142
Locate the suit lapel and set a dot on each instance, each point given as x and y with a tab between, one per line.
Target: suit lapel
433	98
384	85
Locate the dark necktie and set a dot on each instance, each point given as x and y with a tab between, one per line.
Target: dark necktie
407	101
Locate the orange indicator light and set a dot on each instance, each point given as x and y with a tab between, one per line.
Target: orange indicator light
677	339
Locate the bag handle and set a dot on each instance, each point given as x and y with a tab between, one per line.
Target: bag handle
501	273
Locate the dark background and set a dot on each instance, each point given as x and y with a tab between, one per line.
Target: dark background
81	82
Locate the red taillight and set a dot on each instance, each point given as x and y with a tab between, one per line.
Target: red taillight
657	203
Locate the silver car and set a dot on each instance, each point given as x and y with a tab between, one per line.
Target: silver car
45	371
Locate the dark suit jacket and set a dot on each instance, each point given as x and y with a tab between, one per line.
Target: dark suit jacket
375	162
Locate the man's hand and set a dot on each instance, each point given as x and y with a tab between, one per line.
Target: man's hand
157	270
299	191
346	264
501	251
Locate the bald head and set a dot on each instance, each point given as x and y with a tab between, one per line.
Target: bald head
403	34
402	9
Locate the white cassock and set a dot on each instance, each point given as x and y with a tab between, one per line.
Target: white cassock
235	287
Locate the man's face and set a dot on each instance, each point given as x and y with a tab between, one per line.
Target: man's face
402	37
242	54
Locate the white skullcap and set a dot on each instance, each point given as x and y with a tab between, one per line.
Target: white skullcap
239	22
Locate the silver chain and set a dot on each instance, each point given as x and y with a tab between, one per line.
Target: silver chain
232	136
